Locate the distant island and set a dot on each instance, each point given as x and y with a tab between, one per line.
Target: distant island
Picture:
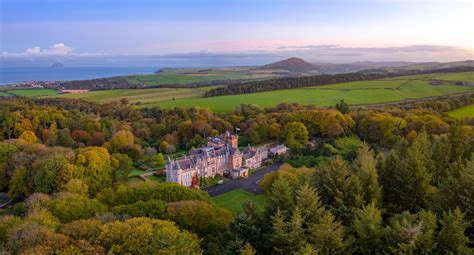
57	64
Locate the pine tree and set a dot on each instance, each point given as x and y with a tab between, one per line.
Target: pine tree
368	230
412	233
281	196
457	190
406	177
451	237
365	167
340	191
278	233
309	204
327	235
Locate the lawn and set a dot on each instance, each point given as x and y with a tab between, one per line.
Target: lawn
234	200
136	172
155	178
463	112
33	92
369	92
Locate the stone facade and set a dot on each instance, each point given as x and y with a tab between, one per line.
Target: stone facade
221	155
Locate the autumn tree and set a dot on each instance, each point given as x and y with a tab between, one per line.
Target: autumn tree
96	167
29	136
297	130
147	236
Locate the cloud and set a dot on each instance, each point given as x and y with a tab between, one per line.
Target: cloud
59	48
327	53
33	50
56	49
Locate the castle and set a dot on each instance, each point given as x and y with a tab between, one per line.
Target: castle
220	156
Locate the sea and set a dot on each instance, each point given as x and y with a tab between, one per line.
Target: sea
10	75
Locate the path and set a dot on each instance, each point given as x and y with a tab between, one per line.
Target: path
248	184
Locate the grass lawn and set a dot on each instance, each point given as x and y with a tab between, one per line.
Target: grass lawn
33	92
155	178
234	200
134	180
136	172
463	112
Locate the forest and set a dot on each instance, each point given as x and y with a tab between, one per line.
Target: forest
407	189
317	80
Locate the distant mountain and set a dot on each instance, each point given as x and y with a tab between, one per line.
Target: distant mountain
420	66
57	64
356	66
292	65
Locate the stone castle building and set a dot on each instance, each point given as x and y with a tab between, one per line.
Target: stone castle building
221	155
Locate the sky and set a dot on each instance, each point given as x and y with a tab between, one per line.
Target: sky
231	32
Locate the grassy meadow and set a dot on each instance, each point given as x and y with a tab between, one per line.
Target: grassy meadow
194	75
368	92
3	94
463	112
30	92
361	92
144	96
234	200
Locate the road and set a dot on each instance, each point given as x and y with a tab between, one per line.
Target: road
248	184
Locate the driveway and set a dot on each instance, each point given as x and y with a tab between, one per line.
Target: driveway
249	184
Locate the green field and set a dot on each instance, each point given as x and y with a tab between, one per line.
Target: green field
143	96
136	172
234	200
193	75
369	92
32	92
354	93
3	94
463	112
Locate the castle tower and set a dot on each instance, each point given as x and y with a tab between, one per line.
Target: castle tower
232	139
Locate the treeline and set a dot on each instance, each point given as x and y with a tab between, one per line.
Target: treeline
318	80
122	83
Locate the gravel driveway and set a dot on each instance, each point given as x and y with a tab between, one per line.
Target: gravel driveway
249	184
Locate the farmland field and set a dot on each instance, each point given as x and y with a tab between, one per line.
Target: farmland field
361	92
193	75
234	200
143	96
463	112
369	92
3	94
32	92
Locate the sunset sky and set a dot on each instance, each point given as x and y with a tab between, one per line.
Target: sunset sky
245	32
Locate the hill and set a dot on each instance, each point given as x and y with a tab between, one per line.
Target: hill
332	68
426	66
292	65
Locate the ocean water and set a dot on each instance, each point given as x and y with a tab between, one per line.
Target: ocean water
18	74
